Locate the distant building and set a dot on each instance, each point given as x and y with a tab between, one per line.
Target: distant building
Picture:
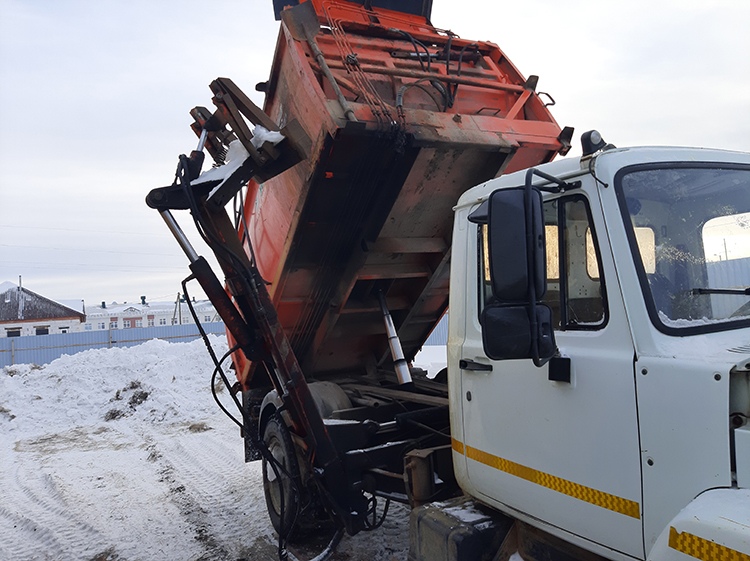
143	314
23	312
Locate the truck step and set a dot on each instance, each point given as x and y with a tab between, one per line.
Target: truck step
456	530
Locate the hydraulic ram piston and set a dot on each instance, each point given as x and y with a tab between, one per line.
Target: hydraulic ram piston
399	362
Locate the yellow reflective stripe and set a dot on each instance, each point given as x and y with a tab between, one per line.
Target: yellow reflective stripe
457	446
704	549
575	490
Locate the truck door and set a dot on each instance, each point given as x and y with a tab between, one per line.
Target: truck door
565	453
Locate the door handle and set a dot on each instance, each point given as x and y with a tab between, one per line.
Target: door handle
465	364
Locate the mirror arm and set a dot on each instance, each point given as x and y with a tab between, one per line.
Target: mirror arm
527	203
530	245
561	186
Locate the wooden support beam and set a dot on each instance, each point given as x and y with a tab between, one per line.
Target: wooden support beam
409	245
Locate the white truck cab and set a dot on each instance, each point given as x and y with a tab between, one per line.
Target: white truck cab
599	350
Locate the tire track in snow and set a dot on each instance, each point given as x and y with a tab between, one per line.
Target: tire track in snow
207	478
211	508
37	521
90	499
119	493
213	480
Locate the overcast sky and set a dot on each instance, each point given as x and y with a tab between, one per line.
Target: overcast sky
94	101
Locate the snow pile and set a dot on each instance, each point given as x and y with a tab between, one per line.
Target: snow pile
122	454
154	382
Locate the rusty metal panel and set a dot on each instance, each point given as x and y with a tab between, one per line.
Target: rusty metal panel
396	136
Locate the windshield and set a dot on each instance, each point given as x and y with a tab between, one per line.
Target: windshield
689	227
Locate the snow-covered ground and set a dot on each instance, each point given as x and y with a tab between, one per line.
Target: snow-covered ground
122	455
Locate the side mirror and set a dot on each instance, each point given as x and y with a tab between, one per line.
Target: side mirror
508	333
515	323
516	245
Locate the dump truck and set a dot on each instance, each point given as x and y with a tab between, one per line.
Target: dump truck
596	397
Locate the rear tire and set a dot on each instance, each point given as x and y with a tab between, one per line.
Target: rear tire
280	490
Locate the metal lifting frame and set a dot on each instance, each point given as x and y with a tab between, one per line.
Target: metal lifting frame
245	305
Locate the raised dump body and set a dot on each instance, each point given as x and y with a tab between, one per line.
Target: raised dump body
403	118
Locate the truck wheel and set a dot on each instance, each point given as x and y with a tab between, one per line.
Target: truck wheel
280	489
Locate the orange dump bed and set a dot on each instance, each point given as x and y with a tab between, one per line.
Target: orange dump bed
403	118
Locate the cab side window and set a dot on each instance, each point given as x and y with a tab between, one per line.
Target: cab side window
575	287
575	290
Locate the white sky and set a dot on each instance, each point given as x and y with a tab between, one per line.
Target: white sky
94	101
